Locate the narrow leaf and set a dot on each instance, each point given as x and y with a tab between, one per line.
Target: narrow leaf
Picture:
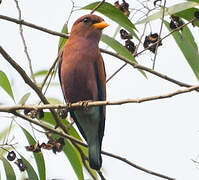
38	156
10	174
5	84
30	170
194	0
119	48
62	41
188	48
115	14
24	98
4	133
48	118
41	73
169	11
188	15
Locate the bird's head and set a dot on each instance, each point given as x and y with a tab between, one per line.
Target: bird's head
88	26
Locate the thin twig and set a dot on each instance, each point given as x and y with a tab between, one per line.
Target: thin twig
139	167
118	70
101	175
24	43
161	26
100	4
49	72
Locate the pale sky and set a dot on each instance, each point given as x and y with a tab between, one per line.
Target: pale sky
161	135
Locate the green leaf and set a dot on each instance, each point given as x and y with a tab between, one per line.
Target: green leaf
115	14
4	133
169	11
62	41
120	49
24	98
10	174
5	84
188	15
190	37
51	84
38	156
40	73
188	47
30	170
194	0
48	118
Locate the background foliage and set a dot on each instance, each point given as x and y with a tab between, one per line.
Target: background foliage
37	126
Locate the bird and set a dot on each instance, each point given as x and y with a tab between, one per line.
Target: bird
83	78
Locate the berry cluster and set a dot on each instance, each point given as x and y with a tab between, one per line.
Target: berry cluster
12	156
128	43
54	145
150	40
124	7
175	22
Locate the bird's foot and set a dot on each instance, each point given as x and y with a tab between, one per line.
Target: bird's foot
84	104
62	113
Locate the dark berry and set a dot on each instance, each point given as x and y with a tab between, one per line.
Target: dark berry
124	34
11	156
20	165
196	14
172	25
130	46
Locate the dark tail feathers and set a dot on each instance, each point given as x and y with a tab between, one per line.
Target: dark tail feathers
94	151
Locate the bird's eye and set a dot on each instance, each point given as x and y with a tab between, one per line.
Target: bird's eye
85	20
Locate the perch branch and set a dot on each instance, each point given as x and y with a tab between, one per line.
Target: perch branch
96	103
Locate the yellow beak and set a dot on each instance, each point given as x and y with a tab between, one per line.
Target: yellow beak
101	25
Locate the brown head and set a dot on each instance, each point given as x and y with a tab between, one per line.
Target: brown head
88	26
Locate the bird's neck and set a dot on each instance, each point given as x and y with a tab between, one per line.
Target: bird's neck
82	42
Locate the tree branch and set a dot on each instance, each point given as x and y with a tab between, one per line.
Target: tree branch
33	26
83	104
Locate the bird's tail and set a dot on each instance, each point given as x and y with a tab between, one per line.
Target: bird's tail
94	153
